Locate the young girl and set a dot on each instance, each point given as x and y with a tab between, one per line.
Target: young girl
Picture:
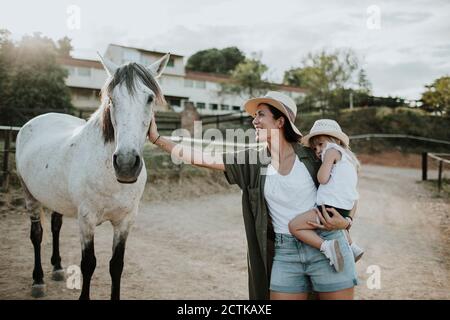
338	178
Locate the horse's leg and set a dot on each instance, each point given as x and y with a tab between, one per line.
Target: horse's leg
38	287
58	271
33	208
88	260
116	263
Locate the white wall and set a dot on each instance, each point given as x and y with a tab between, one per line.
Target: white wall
173	81
83	77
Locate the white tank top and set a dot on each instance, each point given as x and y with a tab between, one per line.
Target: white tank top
288	196
340	191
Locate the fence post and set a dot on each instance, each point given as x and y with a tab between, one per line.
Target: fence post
440	176
6	149
424	165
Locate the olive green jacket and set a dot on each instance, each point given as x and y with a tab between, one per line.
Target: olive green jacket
246	169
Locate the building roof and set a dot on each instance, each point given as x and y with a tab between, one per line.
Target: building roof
290	88
206	76
69	61
146	50
193	75
217	77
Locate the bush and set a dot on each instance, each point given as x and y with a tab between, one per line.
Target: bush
405	121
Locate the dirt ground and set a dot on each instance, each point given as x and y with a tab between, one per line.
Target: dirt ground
188	242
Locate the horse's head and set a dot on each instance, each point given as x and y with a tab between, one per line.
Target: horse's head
128	99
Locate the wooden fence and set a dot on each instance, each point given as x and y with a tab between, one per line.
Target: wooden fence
169	121
8	150
441	161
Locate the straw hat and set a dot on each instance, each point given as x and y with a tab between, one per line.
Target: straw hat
326	127
280	101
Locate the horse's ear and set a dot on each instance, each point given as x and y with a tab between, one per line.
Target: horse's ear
109	66
157	68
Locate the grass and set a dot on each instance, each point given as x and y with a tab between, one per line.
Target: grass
433	186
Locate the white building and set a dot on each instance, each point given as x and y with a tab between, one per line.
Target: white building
86	78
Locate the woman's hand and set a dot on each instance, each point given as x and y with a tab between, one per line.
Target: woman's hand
153	130
336	222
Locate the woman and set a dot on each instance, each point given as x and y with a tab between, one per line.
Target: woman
278	183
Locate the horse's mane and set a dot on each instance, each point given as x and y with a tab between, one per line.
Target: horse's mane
126	74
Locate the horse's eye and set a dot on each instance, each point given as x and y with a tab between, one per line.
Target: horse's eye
150	99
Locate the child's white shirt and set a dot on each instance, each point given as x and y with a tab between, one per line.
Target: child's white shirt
340	190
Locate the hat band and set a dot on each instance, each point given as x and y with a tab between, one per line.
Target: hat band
291	114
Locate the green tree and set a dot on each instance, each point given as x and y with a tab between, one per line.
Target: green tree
6	54
247	79
214	60
325	75
36	83
65	47
436	98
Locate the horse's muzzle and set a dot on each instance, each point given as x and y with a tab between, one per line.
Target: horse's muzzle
127	167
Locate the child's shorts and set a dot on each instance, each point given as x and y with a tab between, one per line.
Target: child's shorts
345	213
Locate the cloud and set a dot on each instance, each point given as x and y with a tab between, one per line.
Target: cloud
410	49
402	17
402	79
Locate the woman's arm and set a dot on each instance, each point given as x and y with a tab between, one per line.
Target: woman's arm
185	153
331	156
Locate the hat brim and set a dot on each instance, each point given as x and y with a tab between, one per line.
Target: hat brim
252	104
338	135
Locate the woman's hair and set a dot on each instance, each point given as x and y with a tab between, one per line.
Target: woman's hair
289	133
314	140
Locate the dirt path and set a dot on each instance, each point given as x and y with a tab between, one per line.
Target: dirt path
196	249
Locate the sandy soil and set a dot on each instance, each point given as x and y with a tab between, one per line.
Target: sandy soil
194	248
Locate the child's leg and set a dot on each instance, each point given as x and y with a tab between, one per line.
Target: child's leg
347	234
304	232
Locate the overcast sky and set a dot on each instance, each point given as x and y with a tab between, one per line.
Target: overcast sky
404	47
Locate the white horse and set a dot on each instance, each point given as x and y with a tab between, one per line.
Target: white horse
93	170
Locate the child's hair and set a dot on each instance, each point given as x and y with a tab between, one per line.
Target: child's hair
313	141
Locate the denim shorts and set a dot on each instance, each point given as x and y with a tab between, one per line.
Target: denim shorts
298	267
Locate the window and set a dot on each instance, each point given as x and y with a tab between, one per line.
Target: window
213	106
84	94
131	56
201	105
188	83
236	108
224	107
70	70
84	72
200	84
146	61
171	62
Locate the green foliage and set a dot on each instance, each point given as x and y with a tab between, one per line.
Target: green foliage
326	76
214	60
247	79
6	56
64	47
32	81
407	121
437	96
